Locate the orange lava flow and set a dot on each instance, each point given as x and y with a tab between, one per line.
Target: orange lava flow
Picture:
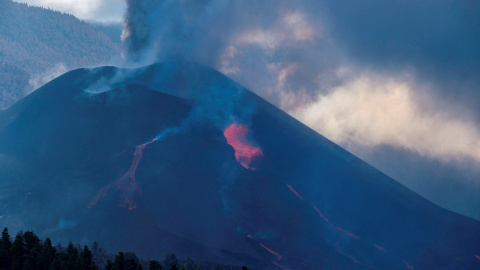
294	192
245	152
274	253
320	213
127	184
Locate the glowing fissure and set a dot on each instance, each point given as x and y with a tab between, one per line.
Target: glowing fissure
349	234
294	192
127	183
274	253
320	213
245	152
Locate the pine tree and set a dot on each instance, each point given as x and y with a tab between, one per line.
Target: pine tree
33	251
5	247
170	260
119	262
189	264
109	265
18	252
72	257
86	260
48	254
154	265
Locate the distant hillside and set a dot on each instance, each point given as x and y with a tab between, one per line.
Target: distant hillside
36	44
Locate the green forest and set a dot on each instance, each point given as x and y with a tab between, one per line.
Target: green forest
35	42
26	251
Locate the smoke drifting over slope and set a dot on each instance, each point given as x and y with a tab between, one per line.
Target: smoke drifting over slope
314	60
285	51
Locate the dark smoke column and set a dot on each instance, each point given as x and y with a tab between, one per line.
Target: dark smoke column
137	31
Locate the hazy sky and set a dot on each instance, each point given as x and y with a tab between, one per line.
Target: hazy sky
371	75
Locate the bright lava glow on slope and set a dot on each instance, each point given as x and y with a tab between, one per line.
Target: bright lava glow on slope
274	253
351	235
127	184
245	152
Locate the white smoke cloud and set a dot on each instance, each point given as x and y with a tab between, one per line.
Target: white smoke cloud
373	110
38	80
292	28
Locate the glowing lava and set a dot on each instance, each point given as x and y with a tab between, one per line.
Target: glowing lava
294	192
320	214
127	184
274	253
380	248
236	135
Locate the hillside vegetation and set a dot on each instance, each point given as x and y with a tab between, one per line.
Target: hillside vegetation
37	44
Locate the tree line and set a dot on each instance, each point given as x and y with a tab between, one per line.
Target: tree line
26	251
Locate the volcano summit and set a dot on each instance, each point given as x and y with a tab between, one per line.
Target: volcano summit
176	157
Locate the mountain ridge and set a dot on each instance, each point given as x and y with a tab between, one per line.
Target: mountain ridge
306	204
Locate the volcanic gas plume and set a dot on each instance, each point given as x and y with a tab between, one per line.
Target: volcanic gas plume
245	152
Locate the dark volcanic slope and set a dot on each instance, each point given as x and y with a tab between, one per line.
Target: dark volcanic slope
177	158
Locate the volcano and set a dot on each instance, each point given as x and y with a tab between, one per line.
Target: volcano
176	157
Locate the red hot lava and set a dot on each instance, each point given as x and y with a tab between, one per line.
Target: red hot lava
274	253
294	192
245	152
127	184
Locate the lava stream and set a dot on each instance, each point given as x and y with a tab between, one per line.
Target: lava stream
320	213
380	248
245	152
351	235
274	253
294	192
127	184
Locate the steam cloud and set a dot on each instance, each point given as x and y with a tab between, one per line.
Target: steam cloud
38	80
374	111
285	52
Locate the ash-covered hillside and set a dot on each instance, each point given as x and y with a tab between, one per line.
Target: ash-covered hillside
176	157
